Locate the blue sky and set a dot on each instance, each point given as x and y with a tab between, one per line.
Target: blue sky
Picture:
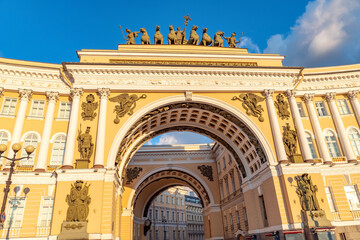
309	33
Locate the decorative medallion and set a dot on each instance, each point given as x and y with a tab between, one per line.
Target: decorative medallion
282	106
250	104
306	191
132	174
78	201
127	104
206	171
89	107
290	140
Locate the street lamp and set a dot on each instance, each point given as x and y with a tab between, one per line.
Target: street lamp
15	147
163	219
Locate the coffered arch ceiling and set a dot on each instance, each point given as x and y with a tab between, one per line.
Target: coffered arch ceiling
213	122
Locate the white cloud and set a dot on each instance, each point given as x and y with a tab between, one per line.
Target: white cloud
167	139
173	138
246	42
328	33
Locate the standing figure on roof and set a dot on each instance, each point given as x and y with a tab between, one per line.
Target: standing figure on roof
232	40
130	37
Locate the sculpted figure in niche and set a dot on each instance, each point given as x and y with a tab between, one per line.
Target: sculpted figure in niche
290	140
158	37
130	37
231	40
78	201
145	39
85	145
194	37
218	41
306	191
206	39
282	106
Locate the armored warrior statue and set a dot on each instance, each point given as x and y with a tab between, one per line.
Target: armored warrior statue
78	201
130	37
85	144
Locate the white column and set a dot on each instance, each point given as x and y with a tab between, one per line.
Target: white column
45	139
275	129
71	134
319	137
344	140
100	135
25	95
352	95
305	150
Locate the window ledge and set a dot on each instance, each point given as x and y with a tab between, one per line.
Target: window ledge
62	119
35	118
305	117
348	114
7	116
326	116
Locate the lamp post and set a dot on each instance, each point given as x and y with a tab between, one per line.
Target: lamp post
15	147
163	219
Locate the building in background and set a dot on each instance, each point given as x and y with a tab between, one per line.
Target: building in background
194	217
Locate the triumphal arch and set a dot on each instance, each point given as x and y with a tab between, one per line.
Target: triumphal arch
287	142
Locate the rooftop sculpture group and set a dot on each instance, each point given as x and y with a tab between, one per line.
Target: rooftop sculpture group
178	37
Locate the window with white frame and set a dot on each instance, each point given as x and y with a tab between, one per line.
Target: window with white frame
320	108
46	210
64	110
355	140
9	106
219	167
330	198
352	197
15	212
58	150
4	137
343	106
37	108
311	145
225	223
231	221
301	109
332	144
30	139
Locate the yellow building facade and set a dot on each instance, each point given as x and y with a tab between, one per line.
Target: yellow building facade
272	124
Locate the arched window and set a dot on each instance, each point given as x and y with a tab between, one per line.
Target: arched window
311	145
4	137
332	144
58	150
355	140
30	139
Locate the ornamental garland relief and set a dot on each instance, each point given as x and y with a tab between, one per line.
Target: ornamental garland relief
127	104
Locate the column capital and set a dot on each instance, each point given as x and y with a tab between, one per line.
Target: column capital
353	94
103	92
308	97
330	96
25	94
52	96
76	92
290	94
268	93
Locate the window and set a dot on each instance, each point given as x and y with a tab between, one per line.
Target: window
64	110
320	108
177	217
150	214
15	212
231	221
168	215
182	216
355	140
157	234
174	234
352	197
182	202
172	200
167	199
229	156
225	223
219	167
233	182
343	107
161	198
238	219
301	109
173	216
30	139
46	212
58	151
177	201
330	199
162	214
37	108
156	214
9	106
263	210
224	163
227	187
311	145
4	137
332	144
245	217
